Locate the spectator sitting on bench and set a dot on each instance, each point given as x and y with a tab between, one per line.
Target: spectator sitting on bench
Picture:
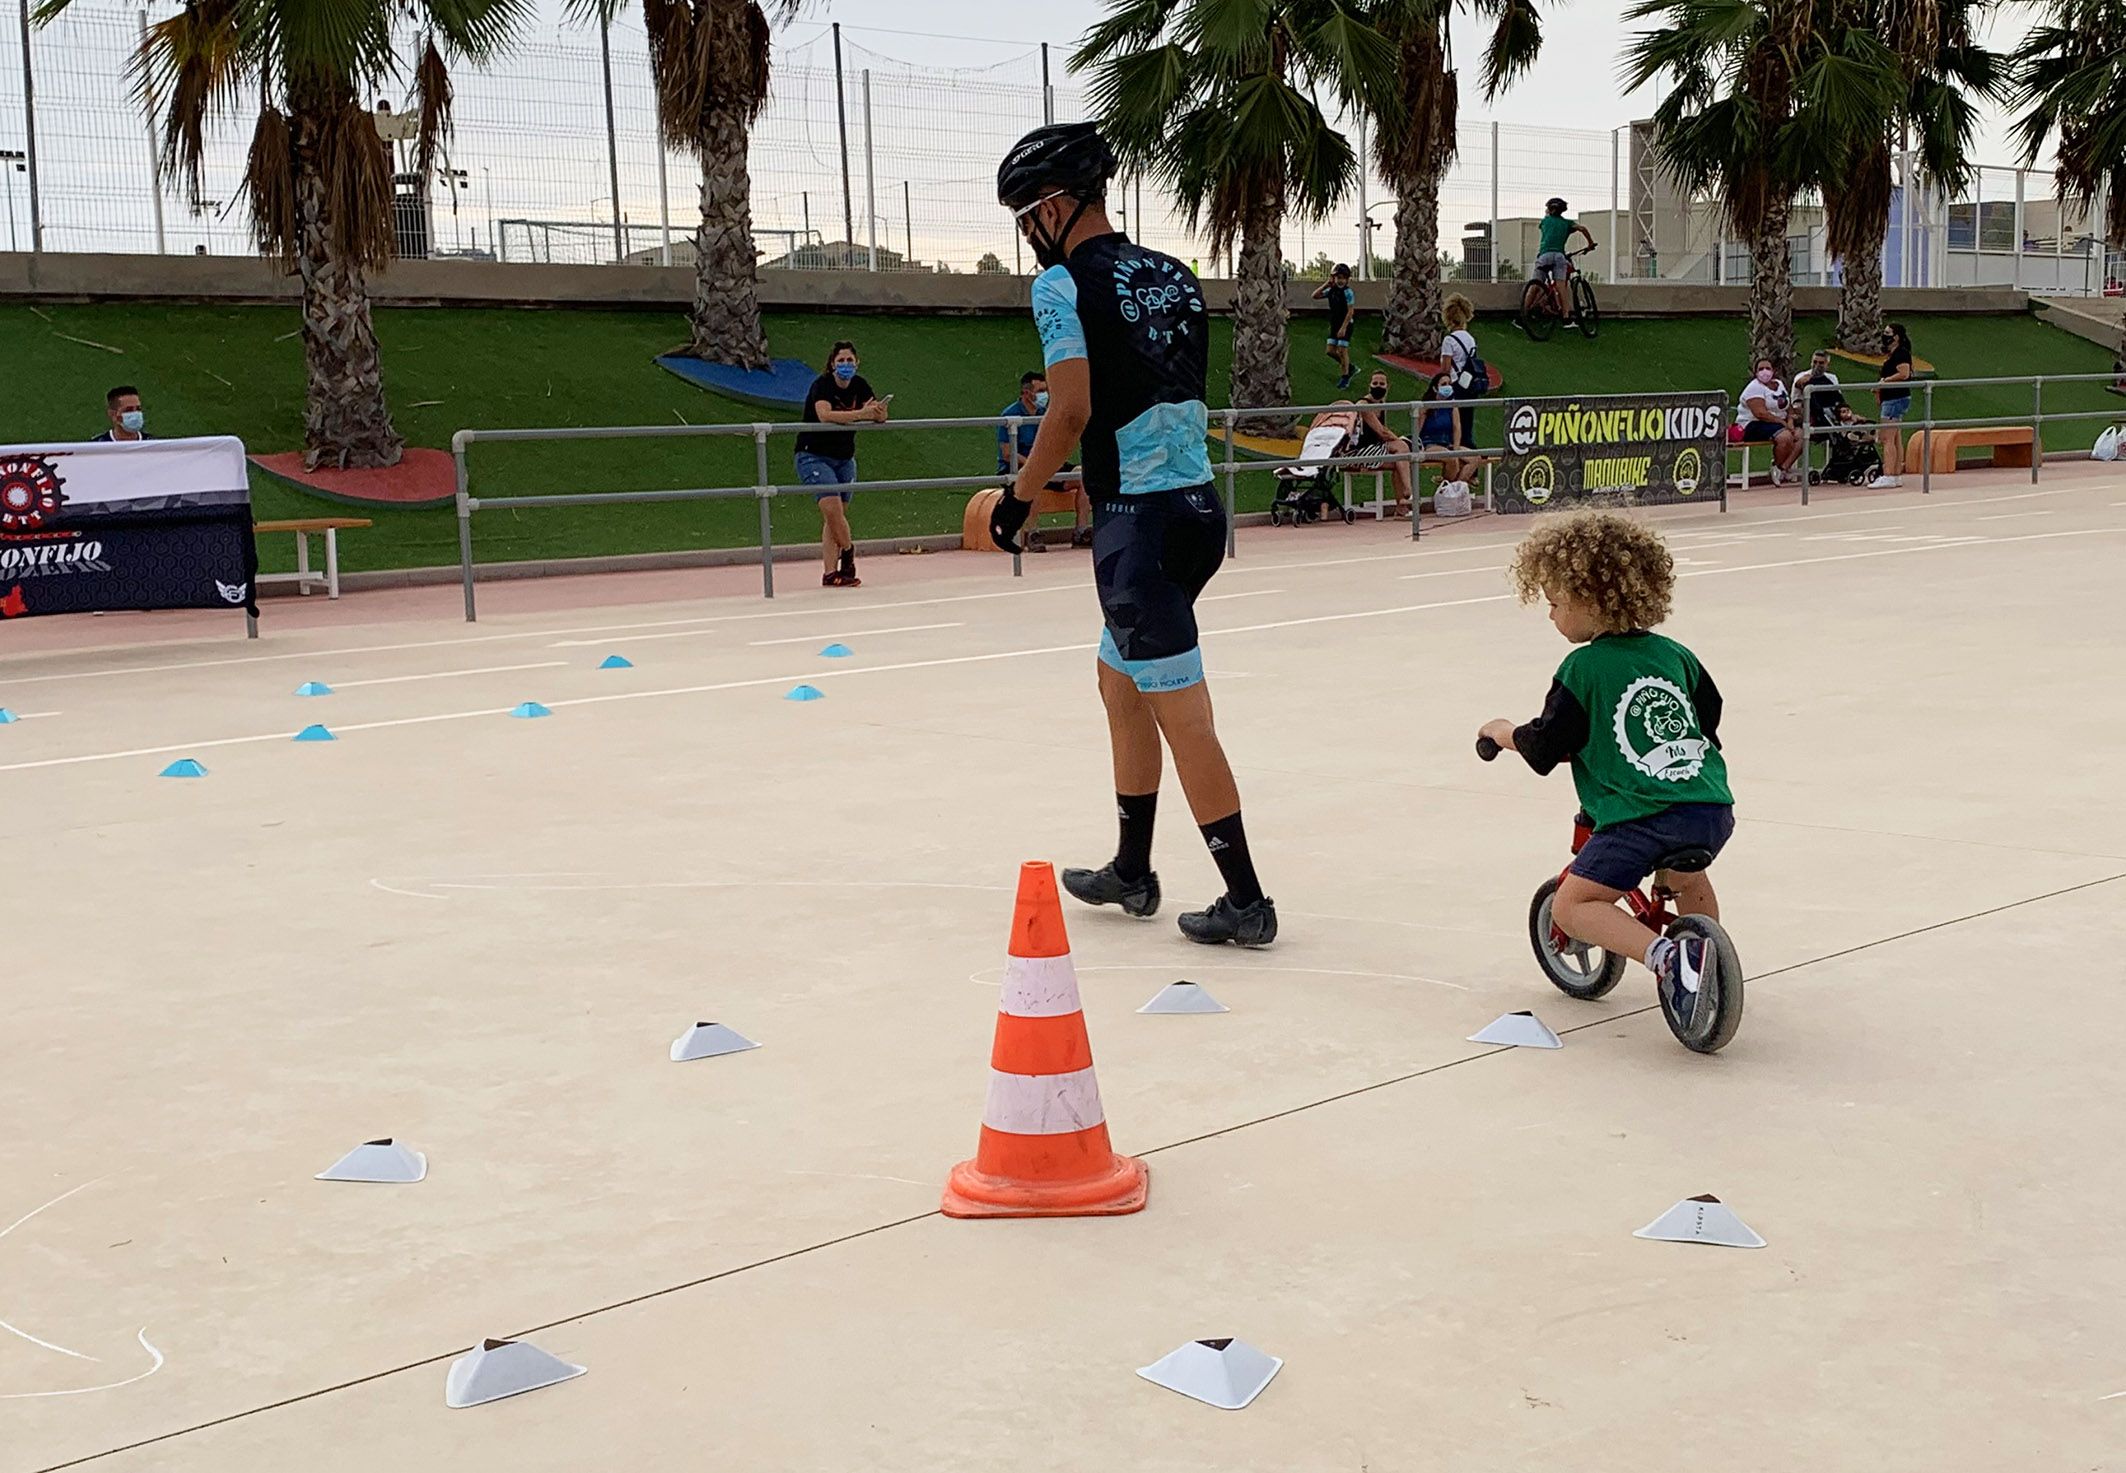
1031	404
1375	440
1442	430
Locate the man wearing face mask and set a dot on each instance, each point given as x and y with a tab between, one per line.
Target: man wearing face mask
122	407
1031	404
1125	337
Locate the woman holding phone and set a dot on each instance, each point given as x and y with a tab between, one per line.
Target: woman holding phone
827	458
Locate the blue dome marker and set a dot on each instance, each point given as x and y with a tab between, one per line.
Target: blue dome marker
7	717
528	709
184	767
837	652
805	693
315	734
313	688
616	662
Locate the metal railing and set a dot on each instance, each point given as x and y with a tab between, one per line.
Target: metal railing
765	489
1926	424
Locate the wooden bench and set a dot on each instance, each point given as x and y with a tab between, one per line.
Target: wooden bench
303	578
2012	445
974	527
1430	455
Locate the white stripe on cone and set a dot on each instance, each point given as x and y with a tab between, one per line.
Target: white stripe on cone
1043	1104
1039	987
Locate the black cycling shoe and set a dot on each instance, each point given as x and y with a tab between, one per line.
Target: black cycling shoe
1255	925
1102	886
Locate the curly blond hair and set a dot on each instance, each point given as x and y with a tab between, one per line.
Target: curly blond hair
1602	558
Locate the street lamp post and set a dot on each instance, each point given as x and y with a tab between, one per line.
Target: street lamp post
13	161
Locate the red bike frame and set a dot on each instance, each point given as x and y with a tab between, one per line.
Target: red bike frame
1649	909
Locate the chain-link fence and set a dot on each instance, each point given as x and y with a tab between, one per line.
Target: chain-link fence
864	161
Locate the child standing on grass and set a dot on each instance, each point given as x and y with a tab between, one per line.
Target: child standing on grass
1637	716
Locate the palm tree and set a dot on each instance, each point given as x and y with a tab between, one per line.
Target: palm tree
1888	65
710	61
1217	100
318	177
2070	73
1728	128
1414	133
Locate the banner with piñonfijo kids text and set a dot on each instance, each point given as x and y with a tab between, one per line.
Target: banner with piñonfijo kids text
1639	449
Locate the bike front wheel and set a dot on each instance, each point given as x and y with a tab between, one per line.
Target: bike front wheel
1716	1009
1575	968
1584	310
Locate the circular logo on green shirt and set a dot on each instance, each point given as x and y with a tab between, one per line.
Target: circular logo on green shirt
1656	729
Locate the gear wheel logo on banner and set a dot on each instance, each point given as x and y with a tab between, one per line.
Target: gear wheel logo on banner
29	493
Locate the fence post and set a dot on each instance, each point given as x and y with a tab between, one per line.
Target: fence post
766	494
1725	407
1011	451
841	120
908	220
1808	438
2037	426
2020	237
1417	467
612	141
1616	199
1232	504
457	453
664	203
870	181
154	175
1048	92
1926	441
1365	218
1494	200
29	133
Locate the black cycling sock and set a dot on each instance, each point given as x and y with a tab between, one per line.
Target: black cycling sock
1228	843
1133	851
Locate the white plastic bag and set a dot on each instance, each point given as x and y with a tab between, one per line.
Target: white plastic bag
1452	499
2110	445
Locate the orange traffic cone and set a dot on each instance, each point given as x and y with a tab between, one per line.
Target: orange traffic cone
1044	1150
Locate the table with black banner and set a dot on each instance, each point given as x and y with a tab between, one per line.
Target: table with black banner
139	524
1613	449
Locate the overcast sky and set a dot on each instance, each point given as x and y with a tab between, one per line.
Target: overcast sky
1573	84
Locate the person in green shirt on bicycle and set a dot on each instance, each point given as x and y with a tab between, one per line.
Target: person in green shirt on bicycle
1638	718
1554	232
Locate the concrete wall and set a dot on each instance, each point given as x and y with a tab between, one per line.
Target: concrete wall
78	278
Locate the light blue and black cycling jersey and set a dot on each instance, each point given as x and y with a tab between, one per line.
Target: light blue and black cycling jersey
1137	317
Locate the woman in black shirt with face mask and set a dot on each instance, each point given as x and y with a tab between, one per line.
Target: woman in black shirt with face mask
827	458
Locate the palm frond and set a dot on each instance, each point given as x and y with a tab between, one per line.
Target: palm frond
195	67
1516	39
432	92
269	186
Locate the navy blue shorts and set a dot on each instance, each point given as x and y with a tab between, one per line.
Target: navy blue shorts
1152	554
1622	855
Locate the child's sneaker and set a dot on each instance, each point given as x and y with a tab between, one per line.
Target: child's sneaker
1680	966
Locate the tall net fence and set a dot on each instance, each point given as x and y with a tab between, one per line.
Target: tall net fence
867	161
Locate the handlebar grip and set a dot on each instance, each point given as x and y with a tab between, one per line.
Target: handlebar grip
1486	748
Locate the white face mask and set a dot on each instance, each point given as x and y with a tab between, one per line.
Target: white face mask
1040	400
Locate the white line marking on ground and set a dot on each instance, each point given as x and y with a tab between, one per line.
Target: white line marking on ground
45	1344
18	1222
1213	598
1053	649
2116	1394
441	674
36	715
107	1386
856	1176
473	883
852	634
2008	516
981	979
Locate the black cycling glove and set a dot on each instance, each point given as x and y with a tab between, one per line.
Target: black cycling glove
1005	520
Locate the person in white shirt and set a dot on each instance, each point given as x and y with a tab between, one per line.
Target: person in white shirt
1765	414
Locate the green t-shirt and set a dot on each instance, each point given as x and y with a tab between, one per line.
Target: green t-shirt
1637	716
1552	231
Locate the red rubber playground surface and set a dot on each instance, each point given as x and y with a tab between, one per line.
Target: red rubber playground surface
480	935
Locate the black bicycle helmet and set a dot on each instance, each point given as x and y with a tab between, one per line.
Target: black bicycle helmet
1068	157
1555	205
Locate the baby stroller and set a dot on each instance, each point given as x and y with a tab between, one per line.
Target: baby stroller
1304	490
1853	456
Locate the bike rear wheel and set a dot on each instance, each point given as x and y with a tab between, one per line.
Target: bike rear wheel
1718	1010
1539	312
1584	310
1579	970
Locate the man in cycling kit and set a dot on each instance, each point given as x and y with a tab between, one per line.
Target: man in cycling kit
1125	338
1554	232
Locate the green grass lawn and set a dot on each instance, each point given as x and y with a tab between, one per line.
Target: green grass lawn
238	370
